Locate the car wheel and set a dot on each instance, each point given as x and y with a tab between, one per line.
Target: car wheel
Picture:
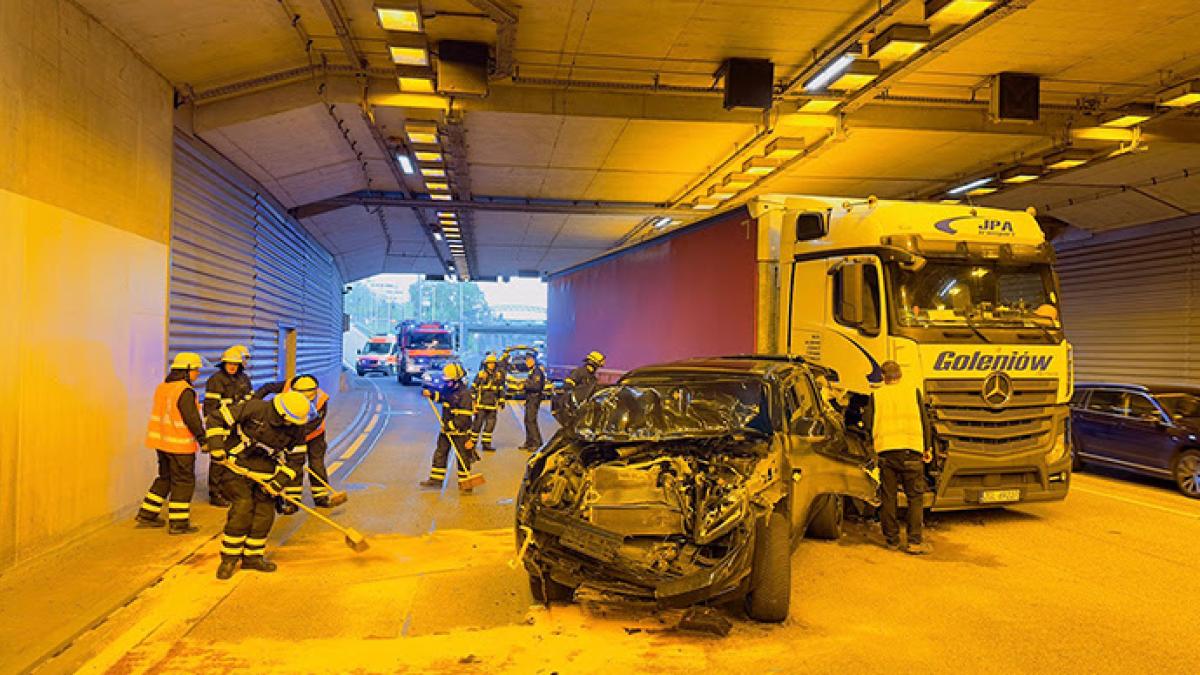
546	590
359	371
1187	473
826	522
772	574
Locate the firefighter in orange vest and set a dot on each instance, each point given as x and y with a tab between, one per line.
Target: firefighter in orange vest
175	433
314	434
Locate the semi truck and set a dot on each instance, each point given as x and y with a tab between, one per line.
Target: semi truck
420	346
964	298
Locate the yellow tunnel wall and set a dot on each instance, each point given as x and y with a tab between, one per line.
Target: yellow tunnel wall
85	207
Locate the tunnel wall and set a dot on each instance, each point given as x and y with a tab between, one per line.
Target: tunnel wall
688	293
85	203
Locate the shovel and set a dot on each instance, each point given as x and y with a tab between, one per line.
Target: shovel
354	538
336	497
473	479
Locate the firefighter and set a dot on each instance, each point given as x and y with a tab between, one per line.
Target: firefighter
174	433
314	437
488	390
455	398
229	385
535	386
577	387
255	438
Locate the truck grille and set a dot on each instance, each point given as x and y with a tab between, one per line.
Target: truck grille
966	422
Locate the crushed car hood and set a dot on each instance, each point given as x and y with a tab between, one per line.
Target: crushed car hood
658	412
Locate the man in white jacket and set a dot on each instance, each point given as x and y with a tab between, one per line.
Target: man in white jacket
899	439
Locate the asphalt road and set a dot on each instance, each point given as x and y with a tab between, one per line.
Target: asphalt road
1104	582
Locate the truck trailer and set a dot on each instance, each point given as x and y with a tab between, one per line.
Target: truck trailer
963	297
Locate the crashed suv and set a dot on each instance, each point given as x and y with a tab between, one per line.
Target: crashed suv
689	482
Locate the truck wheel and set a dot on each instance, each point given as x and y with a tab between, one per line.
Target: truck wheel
827	518
1187	473
772	574
546	590
406	379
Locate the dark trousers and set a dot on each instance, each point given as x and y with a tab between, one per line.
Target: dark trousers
533	434
441	455
484	426
217	475
173	487
902	468
315	456
249	520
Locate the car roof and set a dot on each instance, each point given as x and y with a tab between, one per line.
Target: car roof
759	365
1152	389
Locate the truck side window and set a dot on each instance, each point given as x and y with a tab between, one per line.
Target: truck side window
871	301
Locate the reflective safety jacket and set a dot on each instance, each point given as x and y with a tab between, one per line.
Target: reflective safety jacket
225	389
457	411
897	423
175	426
255	436
535	384
489	389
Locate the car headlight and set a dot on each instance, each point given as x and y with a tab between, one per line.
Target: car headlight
719	514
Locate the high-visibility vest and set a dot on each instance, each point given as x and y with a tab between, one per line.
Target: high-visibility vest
167	431
322	399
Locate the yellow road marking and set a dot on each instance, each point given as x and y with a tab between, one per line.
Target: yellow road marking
370	425
335	466
1136	502
353	447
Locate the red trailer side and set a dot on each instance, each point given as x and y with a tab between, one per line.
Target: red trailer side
689	293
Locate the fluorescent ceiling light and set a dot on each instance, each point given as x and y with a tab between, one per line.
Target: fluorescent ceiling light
706	203
423	133
1021	174
980	191
447	214
427	156
433	172
899	41
784	148
1181	96
441	197
437	235
955	11
404	100
759	166
661	222
830	72
738	181
721	193
966	188
1126	121
408	49
1068	158
950	201
399	16
406	164
819	105
419	85
438	187
857	75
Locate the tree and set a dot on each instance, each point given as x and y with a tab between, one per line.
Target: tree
440	301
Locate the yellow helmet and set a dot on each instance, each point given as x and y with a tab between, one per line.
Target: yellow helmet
305	384
187	361
490	358
452	372
293	406
595	358
236	354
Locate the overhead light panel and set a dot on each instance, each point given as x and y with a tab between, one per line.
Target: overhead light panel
967	188
706	203
438	186
981	191
447	214
421	132
1181	96
427	155
899	41
1068	158
759	166
1128	116
857	75
739	181
409	49
399	16
784	148
819	104
433	172
405	163
660	222
1021	174
415	79
441	197
830	72
949	201
955	11
437	235
721	192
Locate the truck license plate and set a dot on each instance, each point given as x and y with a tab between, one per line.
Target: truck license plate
999	496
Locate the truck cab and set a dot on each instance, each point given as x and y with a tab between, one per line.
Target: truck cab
966	300
421	345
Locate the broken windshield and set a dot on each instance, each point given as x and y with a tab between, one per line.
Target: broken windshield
655	410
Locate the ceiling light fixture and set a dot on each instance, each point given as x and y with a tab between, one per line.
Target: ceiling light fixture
660	222
427	156
422	132
1021	174
706	203
433	172
438	187
1181	96
398	16
720	193
966	188
415	79
981	191
1068	158
441	197
857	75
899	41
1128	116
405	163
447	214
437	235
784	148
759	166
408	49
955	11
830	72
739	181
819	104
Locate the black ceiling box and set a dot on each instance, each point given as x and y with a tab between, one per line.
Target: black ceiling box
462	68
748	83
1015	97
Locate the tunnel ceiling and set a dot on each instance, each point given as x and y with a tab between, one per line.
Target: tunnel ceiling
601	116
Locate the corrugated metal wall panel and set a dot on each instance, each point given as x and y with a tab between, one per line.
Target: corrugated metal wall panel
242	271
1131	303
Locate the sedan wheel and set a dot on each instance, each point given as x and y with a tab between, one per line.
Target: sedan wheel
1187	473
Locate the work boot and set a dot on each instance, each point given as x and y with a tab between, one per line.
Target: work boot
892	544
918	548
467	490
218	501
259	564
322	503
227	568
284	507
488	448
147	523
430	483
185	528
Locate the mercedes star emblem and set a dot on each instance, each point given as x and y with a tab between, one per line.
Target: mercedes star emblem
997	389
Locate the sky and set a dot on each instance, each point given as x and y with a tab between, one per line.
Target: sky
515	292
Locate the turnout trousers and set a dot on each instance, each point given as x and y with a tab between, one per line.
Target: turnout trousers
249	520
315	457
173	488
533	434
441	455
484	427
901	468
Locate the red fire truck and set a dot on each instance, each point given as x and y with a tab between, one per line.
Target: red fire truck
420	346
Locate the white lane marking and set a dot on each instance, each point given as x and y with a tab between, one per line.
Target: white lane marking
1137	502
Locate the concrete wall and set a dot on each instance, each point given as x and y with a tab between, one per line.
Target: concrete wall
85	207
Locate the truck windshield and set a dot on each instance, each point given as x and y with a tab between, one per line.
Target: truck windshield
975	293
377	348
429	341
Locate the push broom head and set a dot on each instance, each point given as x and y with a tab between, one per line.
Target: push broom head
337	498
472	481
356	541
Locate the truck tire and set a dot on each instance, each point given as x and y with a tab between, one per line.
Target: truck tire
828	513
771	576
551	591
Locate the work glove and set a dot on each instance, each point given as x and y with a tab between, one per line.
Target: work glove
218	455
470	444
426	393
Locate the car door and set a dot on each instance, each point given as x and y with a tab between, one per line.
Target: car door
821	458
1096	423
1143	434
